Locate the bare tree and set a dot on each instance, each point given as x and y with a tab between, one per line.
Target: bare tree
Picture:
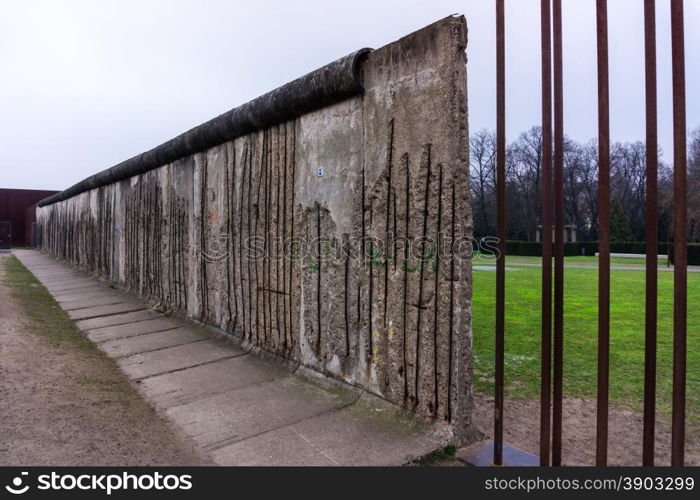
588	192
525	173
524	185
628	183
576	173
483	181
694	185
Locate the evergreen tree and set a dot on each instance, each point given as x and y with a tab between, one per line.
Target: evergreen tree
619	223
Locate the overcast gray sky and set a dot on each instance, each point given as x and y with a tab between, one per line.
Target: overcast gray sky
85	85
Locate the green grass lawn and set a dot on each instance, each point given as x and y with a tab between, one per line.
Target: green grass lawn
573	259
523	335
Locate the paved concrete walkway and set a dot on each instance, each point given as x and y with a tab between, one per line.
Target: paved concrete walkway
238	408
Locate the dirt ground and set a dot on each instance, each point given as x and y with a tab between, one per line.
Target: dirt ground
522	423
62	405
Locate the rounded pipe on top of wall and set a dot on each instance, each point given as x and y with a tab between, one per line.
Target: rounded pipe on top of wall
327	85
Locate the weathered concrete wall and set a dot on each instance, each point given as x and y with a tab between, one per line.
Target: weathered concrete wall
247	235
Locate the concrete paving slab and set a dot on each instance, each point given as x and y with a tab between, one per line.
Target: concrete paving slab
236	415
80	292
361	434
39	264
98	299
93	312
140	366
60	277
55	274
177	388
116	319
56	277
107	333
153	341
56	269
52	268
85	288
75	286
57	280
64	298
72	283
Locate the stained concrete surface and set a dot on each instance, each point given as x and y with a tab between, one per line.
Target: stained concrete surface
236	407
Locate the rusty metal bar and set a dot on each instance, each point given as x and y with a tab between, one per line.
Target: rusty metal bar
652	243
501	201
603	235
546	350
680	213
558	372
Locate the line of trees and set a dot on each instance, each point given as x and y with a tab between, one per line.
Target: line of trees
627	178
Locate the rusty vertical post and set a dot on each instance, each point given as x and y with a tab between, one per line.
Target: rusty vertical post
501	201
603	234
558	372
651	234
546	350
680	212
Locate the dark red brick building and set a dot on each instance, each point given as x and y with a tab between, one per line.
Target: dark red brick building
16	208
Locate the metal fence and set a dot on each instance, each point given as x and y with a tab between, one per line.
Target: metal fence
552	344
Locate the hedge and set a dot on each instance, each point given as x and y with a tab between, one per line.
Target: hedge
693	254
534	249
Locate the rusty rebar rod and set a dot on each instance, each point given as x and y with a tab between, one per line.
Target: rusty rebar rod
558	372
546	349
680	214
501	201
603	235
651	234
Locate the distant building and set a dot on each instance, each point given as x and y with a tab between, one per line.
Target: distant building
17	215
569	233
